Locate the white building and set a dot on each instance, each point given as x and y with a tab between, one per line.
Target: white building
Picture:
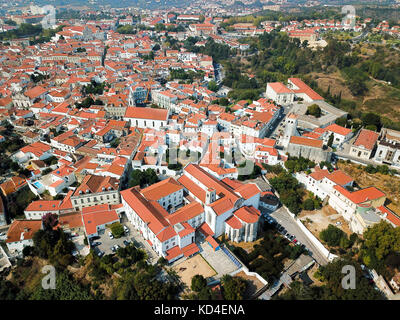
147	117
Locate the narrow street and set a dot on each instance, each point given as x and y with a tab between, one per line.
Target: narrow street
283	218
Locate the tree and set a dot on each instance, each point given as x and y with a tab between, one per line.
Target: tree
308	204
198	283
331	275
117	229
330	140
314	110
381	241
49	221
67	288
212	85
371	119
233	287
332	235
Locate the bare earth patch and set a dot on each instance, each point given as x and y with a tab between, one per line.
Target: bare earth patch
253	284
318	220
192	266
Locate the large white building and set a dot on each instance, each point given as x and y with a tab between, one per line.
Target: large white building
357	207
167	218
147	117
295	88
321	182
95	190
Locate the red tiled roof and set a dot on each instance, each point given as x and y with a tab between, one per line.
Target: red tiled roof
191	249
173	253
185	213
234	223
222	205
166	234
146	113
306	141
248	214
248	190
279	87
338	129
25	227
367	139
212	242
44	205
193	188
161	189
303	88
94	219
340	178
145	210
391	216
362	195
205	229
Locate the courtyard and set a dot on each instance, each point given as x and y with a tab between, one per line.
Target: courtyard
192	266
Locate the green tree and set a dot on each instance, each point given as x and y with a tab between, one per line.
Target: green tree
332	235
198	283
234	288
117	229
314	110
212	85
308	204
330	140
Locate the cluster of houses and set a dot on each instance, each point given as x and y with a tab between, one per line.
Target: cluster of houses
80	103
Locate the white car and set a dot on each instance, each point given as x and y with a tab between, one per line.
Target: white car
110	235
126	229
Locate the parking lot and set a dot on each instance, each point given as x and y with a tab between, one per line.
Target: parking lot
107	243
282	217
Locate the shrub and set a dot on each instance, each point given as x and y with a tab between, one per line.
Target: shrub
308	204
117	230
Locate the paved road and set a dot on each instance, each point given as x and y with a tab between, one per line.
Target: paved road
283	218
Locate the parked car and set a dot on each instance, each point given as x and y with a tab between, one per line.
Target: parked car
127	242
291	237
113	249
110	235
116	247
96	243
294	241
126	229
100	253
